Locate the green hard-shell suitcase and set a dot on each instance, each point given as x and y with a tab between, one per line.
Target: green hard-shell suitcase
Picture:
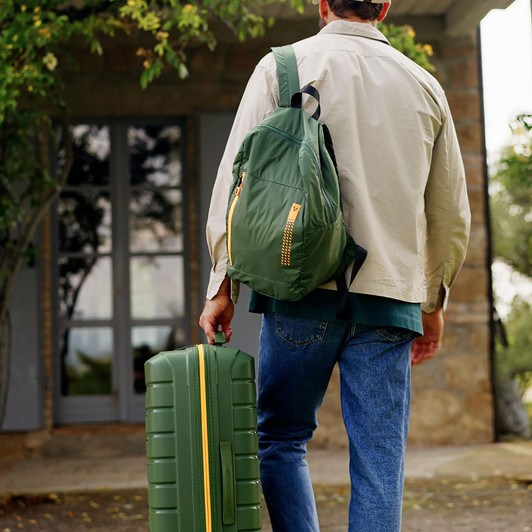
202	446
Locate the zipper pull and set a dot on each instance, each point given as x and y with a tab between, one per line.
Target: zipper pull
239	187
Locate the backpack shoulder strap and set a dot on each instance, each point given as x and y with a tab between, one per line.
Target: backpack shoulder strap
286	73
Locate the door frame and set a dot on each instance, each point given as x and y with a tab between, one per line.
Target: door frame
123	404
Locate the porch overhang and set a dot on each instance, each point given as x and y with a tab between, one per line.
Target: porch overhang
454	18
464	17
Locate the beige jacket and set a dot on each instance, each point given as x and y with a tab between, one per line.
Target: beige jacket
401	174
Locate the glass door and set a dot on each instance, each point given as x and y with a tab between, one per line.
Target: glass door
157	272
121	270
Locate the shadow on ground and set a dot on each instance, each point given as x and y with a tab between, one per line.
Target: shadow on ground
496	504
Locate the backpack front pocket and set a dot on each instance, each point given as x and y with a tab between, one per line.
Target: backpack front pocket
274	254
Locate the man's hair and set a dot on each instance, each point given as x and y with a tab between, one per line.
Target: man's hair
347	8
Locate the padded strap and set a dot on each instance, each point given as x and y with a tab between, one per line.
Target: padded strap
287	75
297	99
343	309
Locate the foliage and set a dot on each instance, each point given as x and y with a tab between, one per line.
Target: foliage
174	25
31	33
511	209
90	376
403	38
511	202
515	360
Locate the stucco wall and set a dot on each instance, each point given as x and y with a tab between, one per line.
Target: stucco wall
25	403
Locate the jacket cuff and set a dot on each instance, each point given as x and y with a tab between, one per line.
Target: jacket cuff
434	296
215	280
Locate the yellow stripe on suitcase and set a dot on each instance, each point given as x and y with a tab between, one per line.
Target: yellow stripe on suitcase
194	482
205	440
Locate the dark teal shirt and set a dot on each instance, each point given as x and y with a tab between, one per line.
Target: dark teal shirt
365	309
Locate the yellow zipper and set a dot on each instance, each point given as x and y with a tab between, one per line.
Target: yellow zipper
230	215
205	440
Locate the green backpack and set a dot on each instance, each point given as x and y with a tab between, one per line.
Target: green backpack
285	227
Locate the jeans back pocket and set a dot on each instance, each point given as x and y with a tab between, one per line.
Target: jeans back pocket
395	334
299	331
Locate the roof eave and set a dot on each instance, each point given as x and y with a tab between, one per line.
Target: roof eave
461	19
464	17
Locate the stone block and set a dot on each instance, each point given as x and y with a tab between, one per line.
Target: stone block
466	372
241	59
464	73
441	74
435	408
459	49
474	167
465	105
470	137
451	339
474	162
331	433
476	251
470	285
477	204
123	59
480	406
478	336
441	418
470	318
82	61
229	97
203	62
427	375
473	429
435	415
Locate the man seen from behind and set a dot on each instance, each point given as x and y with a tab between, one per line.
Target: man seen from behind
404	201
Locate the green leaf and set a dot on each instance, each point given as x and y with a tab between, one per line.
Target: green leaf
183	71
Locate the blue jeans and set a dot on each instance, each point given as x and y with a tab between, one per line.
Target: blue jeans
297	357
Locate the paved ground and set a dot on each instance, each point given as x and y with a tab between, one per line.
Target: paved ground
485	488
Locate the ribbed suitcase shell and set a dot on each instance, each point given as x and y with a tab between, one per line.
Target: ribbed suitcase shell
202	446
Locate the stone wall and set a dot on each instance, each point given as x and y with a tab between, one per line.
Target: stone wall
451	394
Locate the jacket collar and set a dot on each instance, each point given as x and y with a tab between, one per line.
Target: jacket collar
359	29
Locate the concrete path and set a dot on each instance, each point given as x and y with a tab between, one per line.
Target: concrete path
58	475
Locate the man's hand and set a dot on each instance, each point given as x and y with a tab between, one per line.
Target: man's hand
428	345
218	312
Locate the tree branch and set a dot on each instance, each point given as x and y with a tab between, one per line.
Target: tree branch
14	262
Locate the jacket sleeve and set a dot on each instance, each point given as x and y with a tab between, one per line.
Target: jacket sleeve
258	101
447	213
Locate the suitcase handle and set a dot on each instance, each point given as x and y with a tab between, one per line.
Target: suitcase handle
219	338
228	483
